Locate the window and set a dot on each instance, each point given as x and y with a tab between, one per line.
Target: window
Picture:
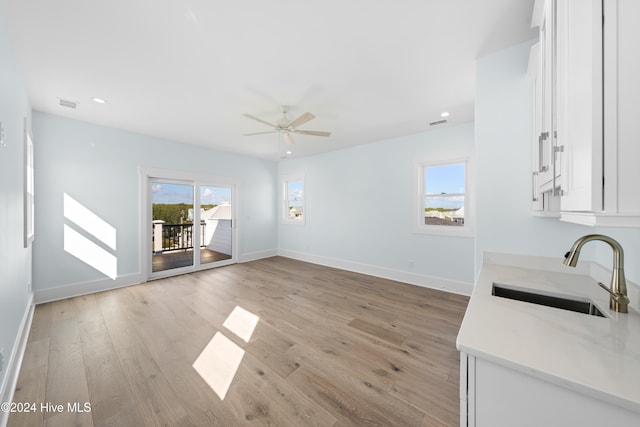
293	190
29	218
442	205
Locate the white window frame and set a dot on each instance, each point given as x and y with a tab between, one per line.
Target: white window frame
28	197
285	199
466	230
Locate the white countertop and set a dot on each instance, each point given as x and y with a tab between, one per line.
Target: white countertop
589	354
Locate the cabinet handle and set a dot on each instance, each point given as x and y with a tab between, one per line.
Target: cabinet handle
534	174
557	191
541	139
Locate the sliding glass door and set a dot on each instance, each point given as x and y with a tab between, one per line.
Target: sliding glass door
216	220
191	225
173	225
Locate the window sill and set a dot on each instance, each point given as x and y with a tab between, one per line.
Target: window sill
445	231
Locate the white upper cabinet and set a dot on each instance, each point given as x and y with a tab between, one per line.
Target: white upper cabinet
587	95
546	158
579	103
622	107
535	73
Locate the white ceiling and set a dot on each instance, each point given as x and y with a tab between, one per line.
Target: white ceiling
187	70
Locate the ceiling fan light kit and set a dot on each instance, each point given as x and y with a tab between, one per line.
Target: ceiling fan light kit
287	138
287	128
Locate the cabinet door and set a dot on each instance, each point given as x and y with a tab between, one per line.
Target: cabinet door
579	103
621	106
535	73
547	98
505	397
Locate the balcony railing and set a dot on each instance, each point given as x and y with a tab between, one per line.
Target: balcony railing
172	237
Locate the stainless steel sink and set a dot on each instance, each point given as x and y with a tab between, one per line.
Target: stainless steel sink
576	304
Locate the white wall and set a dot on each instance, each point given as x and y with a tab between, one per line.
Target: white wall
503	134
629	238
358	211
359	199
98	167
503	159
15	260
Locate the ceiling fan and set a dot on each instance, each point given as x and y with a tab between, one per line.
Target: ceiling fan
287	127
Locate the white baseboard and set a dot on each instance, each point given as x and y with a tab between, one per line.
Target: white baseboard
14	363
77	289
254	256
423	280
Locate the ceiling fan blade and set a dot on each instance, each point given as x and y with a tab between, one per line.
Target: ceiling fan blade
288	139
313	132
258	133
304	118
249	116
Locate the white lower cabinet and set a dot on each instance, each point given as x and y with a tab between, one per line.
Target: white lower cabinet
493	395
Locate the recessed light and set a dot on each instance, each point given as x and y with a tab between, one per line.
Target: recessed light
288	152
99	100
445	114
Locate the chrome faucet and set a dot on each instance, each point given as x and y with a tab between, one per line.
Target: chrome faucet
619	300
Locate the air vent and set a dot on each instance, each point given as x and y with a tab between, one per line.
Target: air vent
69	104
439	122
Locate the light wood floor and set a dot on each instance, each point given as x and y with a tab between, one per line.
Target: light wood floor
331	348
177	259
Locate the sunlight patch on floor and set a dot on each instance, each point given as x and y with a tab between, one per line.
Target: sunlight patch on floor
218	363
220	359
242	323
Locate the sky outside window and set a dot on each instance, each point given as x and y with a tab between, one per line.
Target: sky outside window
444	186
295	193
444	179
214	195
183	193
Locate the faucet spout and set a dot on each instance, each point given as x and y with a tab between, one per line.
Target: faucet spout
619	301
